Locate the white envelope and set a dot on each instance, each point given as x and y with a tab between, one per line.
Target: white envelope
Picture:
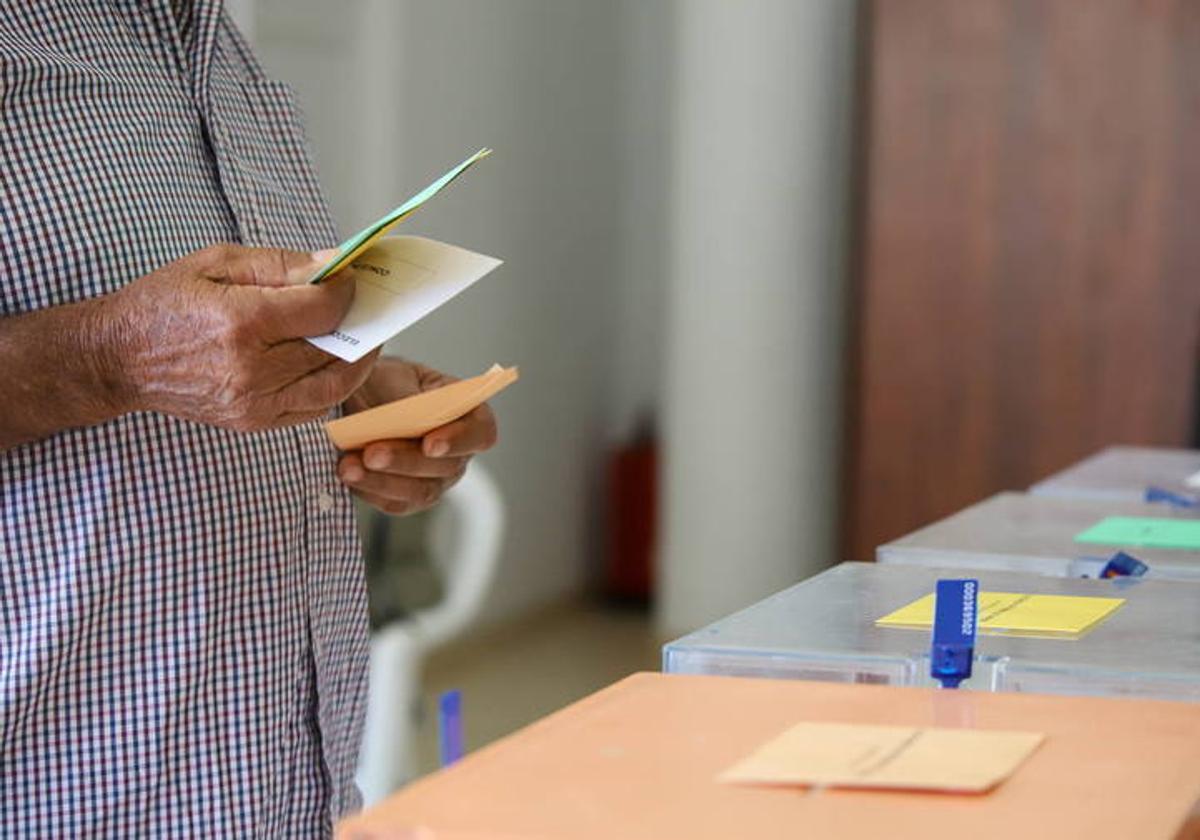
398	281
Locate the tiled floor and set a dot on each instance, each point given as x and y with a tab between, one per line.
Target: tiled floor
513	675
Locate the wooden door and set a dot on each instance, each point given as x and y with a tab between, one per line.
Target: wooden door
1028	287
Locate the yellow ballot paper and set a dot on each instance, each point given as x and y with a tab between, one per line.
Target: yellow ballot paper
398	281
1017	614
868	756
415	416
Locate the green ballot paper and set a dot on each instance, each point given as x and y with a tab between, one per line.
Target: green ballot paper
1143	531
363	240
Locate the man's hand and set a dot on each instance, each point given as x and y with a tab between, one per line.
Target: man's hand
215	337
406	476
218	337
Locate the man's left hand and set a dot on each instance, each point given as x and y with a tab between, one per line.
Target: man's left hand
406	476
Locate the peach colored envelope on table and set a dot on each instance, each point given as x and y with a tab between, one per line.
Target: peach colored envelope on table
416	416
857	755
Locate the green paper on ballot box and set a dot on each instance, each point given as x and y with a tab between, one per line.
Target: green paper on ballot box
1144	532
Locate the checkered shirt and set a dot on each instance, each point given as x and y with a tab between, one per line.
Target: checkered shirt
182	609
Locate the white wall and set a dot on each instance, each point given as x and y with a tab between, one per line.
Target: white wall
761	156
245	16
644	75
701	141
347	62
538	81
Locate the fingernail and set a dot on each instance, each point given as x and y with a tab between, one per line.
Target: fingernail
378	459
352	473
438	448
324	256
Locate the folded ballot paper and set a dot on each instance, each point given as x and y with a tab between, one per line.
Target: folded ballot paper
1018	614
413	417
398	280
1144	532
856	755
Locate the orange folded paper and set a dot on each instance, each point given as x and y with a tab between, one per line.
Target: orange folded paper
415	416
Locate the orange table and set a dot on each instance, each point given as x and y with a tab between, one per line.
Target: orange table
637	761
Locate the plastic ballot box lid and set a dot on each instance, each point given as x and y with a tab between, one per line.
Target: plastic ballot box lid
1039	534
1126	474
825	629
640	760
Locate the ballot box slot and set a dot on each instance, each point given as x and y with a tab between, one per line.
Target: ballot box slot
820	667
1010	675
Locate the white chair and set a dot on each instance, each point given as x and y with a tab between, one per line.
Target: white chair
464	538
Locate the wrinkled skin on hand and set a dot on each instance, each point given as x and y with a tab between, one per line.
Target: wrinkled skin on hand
218	337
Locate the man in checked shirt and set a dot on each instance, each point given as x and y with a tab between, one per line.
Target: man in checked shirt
182	607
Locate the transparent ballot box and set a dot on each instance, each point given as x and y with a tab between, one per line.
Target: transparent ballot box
824	629
1037	534
1126	474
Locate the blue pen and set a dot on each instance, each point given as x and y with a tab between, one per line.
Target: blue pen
1157	495
450	726
955	620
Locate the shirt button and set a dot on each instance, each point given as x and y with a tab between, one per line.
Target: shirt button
325	502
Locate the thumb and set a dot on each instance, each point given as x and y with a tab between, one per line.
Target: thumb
304	309
268	266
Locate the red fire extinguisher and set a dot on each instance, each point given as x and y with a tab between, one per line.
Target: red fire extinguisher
632	517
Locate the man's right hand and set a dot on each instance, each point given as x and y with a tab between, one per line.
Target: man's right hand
218	337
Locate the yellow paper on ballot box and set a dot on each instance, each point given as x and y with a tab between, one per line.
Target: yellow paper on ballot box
1017	614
